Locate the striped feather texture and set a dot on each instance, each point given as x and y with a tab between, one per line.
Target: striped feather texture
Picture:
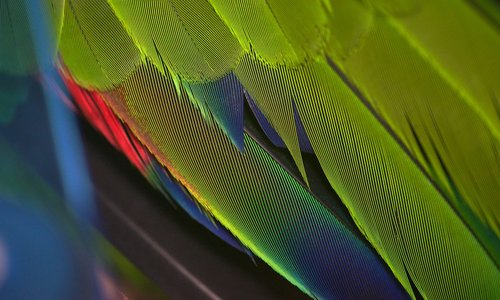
397	100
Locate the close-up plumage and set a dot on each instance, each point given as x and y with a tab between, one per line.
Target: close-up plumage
249	149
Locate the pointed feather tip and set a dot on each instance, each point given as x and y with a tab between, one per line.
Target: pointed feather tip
221	99
275	138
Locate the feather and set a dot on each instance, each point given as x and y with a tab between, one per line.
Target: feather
188	48
397	100
96	47
441	126
92	106
274	216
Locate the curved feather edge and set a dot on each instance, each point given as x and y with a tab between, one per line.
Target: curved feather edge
91	106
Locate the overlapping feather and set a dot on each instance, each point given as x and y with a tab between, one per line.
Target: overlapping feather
399	101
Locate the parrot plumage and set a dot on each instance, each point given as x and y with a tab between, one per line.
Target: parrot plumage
397	101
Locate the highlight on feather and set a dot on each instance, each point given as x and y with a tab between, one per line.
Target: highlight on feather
397	101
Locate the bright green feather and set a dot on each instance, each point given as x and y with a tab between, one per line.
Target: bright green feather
399	99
